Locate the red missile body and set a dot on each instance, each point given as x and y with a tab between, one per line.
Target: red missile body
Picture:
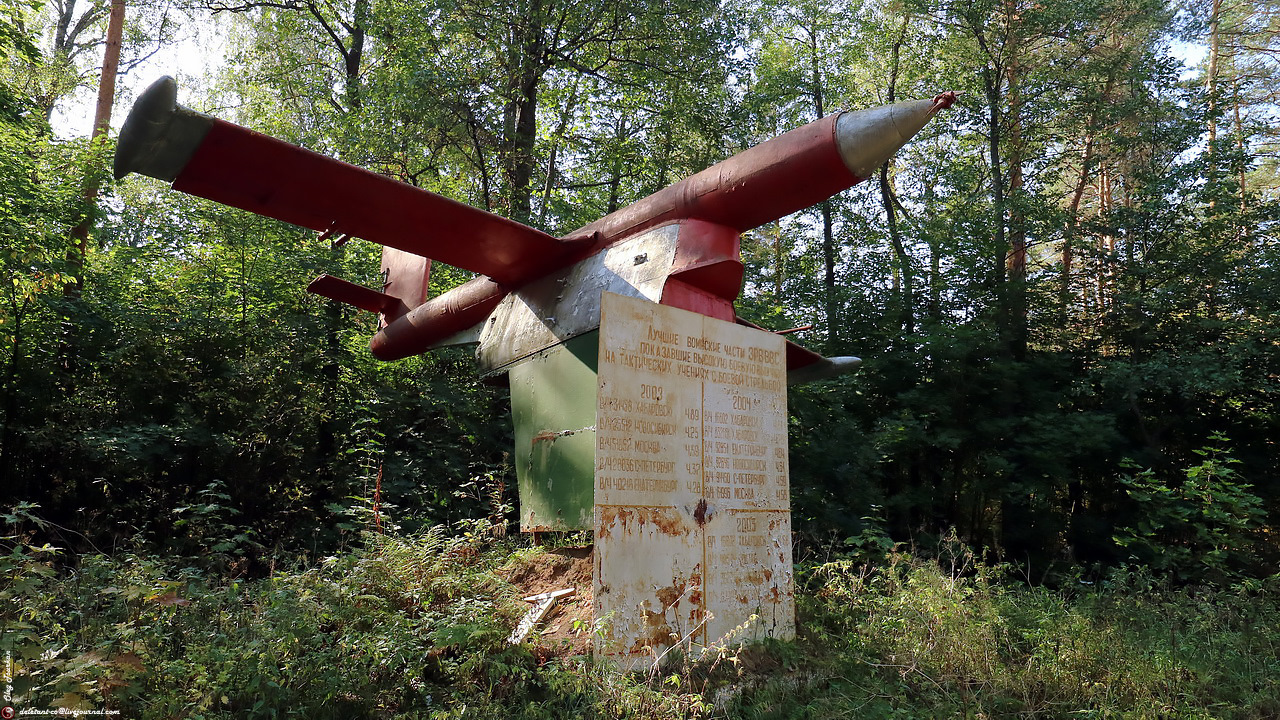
771	180
229	164
775	178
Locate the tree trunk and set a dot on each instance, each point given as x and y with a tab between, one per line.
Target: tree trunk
1016	280
1240	148
522	159
906	316
1211	75
779	266
1072	231
354	55
615	165
526	70
828	224
482	165
991	84
101	123
566	116
829	279
905	287
17	481
78	253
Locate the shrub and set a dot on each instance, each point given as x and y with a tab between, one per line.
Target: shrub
1203	526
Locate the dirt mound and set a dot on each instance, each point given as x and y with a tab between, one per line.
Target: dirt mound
567	628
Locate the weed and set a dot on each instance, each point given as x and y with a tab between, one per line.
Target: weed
415	626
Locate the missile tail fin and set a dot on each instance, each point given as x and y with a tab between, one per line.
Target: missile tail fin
805	365
345	291
405	276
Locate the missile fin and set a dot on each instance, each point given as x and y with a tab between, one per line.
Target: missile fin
805	365
405	276
345	291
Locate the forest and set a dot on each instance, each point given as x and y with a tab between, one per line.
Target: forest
1065	292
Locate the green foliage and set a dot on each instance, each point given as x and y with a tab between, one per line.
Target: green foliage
1205	525
193	397
13	40
956	638
416	625
390	625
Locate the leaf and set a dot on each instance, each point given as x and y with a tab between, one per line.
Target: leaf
168	599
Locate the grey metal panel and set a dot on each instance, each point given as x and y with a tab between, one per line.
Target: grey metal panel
566	303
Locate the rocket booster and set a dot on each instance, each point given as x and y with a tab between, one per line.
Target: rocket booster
756	186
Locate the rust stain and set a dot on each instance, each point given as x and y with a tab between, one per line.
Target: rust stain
670	596
541	528
700	512
668	521
656	634
633	519
609	516
545	436
553	435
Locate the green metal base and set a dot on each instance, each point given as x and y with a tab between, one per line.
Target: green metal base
553	405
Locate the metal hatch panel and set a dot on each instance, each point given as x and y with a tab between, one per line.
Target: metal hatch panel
566	303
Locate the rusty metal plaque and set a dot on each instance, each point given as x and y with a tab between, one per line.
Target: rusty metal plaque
692	506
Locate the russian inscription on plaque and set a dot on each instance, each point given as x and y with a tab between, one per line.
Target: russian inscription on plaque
692	506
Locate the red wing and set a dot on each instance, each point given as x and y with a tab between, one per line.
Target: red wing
805	365
248	170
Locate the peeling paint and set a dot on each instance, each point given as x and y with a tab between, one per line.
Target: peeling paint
553	435
692	519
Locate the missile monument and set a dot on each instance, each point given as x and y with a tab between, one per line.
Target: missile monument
644	409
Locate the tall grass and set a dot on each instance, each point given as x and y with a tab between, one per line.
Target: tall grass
415	627
913	638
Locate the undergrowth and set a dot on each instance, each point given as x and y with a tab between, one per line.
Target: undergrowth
416	627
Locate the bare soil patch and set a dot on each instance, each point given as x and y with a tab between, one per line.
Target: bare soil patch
566	630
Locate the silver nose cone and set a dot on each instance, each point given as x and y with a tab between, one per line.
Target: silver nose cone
159	136
868	138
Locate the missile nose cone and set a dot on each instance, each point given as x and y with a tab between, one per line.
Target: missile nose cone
868	138
159	135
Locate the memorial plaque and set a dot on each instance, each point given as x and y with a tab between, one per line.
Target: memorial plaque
692	505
